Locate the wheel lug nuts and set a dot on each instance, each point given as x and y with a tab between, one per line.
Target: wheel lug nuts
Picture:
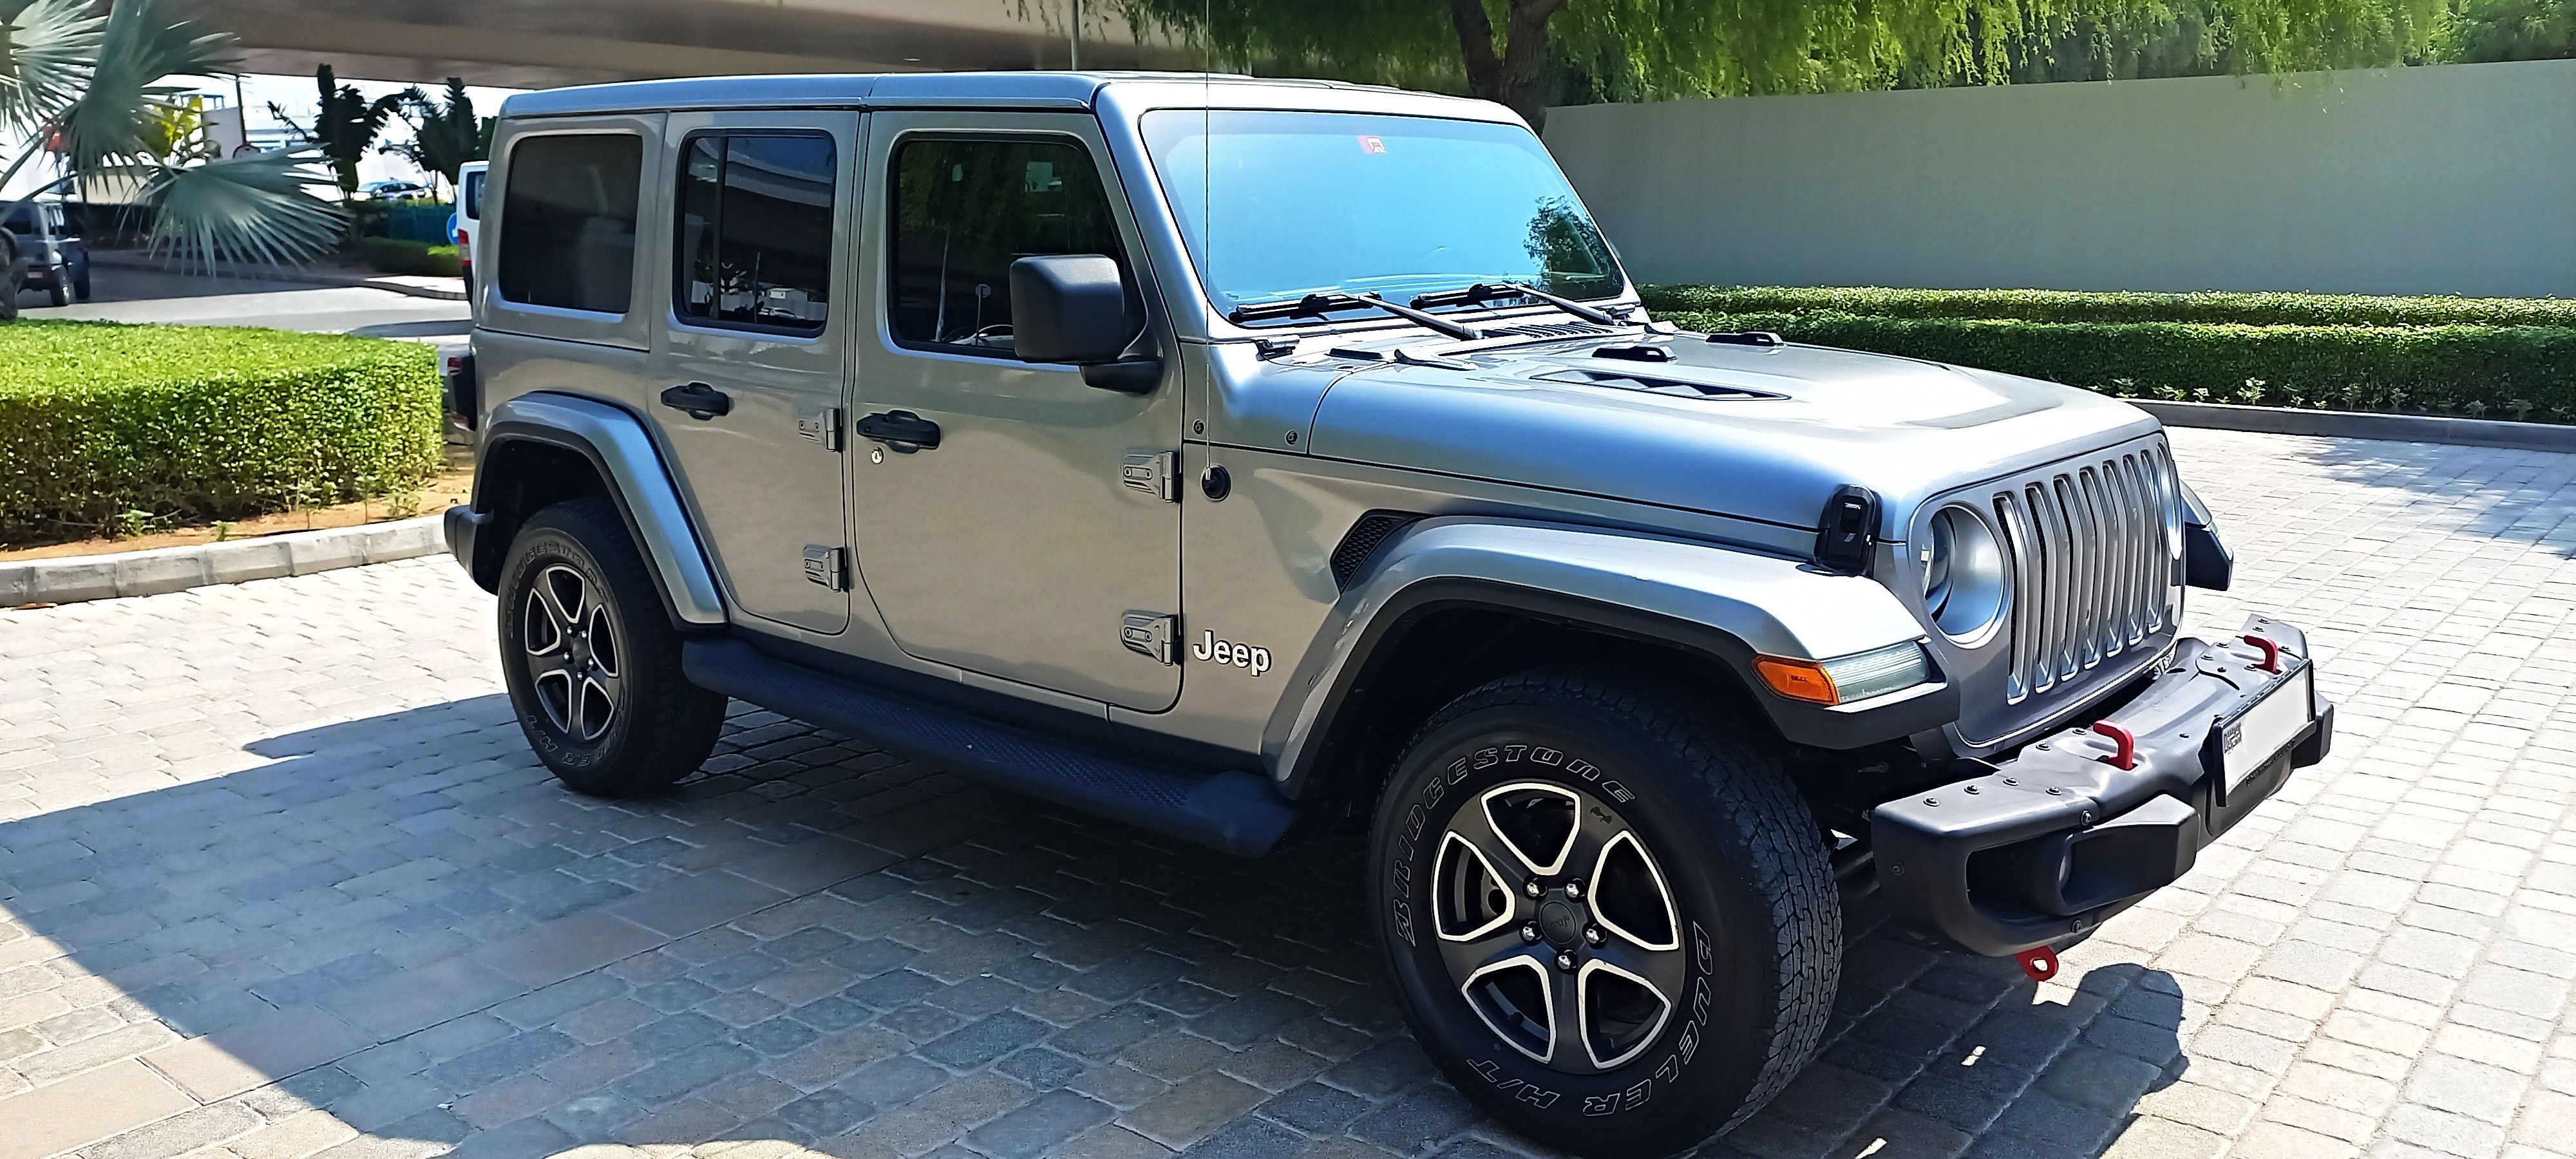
1529	931
1565	961
1531	888
1592	934
1574	889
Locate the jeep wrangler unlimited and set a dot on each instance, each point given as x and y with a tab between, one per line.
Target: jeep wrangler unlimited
1208	452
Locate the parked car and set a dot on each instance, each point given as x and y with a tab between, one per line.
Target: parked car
394	190
468	220
1213	453
57	260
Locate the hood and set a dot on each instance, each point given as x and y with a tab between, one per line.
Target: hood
1765	433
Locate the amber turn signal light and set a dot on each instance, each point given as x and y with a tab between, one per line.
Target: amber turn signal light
1803	680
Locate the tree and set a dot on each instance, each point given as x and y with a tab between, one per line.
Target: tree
444	134
345	124
1514	51
2484	30
92	91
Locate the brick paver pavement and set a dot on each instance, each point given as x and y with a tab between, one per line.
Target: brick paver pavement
278	877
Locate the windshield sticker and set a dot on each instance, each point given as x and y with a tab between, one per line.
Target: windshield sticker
1371	144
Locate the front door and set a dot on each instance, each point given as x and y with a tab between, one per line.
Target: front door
1035	541
751	356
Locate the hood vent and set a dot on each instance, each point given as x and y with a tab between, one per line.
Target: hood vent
1653	384
1550	330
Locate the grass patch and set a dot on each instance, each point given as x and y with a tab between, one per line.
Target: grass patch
107	428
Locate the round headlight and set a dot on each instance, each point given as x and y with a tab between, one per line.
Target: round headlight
1963	575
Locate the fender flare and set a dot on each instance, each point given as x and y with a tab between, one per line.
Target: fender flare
622	451
1725	603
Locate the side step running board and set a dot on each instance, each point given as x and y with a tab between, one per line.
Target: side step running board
1236	811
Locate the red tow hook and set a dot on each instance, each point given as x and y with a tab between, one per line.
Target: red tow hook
2039	962
2126	756
2271	652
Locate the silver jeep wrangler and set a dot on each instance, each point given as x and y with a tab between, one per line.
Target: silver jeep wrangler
1211	452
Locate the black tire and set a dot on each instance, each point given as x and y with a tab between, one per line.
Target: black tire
58	294
656	727
80	287
1752	918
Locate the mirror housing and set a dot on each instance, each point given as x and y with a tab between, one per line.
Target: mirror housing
1073	308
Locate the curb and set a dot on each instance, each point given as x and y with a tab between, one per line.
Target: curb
77	578
309	276
2357	425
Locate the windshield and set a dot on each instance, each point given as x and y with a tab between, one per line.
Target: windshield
1278	205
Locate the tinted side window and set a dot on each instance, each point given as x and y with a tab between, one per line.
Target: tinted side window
964	210
568	221
755	231
474	194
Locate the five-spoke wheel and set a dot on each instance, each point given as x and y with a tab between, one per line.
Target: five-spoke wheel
592	662
1607	913
571	645
1557	925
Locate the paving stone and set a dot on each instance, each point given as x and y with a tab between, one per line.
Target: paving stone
288	851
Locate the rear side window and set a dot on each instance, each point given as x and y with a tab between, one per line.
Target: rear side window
568	221
473	196
964	210
755	231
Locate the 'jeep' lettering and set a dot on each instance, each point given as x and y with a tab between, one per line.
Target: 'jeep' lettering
1230	653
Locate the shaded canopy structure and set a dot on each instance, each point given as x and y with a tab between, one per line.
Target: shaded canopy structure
547	43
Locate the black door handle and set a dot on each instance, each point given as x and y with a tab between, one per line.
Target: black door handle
702	402
902	429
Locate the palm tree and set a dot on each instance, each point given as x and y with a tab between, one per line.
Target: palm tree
93	90
444	134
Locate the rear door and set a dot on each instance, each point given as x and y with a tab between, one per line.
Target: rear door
751	355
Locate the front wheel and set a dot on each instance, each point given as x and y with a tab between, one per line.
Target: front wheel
591	660
59	294
1610	917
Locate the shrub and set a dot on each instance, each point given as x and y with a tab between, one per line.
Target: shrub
395	255
2517	372
2067	306
104	427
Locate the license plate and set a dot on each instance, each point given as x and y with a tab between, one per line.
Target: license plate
2259	732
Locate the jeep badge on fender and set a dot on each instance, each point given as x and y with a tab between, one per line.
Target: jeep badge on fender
1632	640
1229	652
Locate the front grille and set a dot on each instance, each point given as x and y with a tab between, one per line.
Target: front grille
2092	572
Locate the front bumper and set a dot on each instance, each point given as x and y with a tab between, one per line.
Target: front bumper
2050	842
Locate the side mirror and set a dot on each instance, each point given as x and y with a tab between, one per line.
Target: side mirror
1078	308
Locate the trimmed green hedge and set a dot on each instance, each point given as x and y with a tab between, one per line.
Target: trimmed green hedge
2506	372
2068	306
395	255
99	421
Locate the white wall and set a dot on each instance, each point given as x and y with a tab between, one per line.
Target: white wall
2456	179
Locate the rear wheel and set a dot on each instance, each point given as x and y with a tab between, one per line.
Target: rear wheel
592	663
80	287
1609	917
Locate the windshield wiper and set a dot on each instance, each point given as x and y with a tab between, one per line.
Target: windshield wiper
1318	305
1483	292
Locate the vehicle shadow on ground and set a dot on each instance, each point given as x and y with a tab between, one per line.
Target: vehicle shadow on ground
406	922
2495	493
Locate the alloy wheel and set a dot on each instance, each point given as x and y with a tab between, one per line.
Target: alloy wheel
571	645
1557	925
